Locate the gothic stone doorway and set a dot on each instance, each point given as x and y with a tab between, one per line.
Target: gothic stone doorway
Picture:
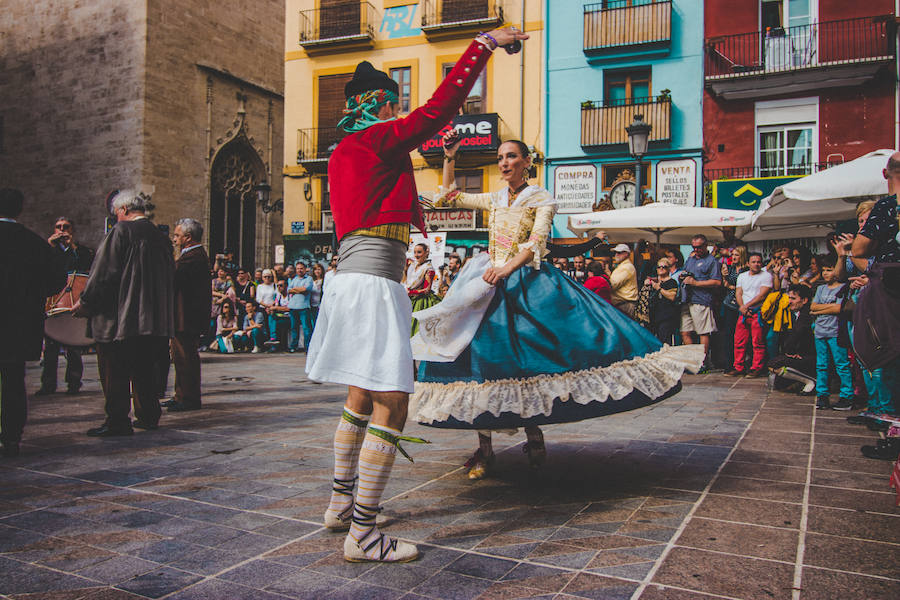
232	210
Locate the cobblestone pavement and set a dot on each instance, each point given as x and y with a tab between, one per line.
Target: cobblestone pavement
724	490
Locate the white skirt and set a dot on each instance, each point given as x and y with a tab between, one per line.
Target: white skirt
362	335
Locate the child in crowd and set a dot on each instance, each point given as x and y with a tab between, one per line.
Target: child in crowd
826	306
253	328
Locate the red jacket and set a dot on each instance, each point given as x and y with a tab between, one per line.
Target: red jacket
370	173
600	286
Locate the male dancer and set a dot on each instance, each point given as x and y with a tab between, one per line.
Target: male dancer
365	312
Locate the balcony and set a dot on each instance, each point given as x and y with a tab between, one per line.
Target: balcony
445	19
335	27
314	147
797	59
319	218
617	25
605	125
710	175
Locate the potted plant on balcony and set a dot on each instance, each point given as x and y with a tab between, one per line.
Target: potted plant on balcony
587	104
665	95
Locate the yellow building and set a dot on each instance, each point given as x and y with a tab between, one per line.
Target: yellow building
416	43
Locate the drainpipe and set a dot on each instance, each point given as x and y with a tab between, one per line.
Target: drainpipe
546	84
522	76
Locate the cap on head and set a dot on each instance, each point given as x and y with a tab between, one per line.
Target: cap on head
366	78
621	248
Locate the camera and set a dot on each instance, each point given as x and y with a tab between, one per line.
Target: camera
685	274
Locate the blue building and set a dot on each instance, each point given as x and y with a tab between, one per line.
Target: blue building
633	57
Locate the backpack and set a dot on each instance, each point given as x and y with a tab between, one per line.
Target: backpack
876	318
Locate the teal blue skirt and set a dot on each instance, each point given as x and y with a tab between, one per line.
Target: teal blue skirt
542	322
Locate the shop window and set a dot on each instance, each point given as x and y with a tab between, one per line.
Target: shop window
476	102
626	87
403	77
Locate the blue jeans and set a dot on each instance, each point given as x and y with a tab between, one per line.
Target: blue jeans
883	385
773	342
300	319
828	351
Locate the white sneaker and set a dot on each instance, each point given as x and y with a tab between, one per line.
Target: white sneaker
809	387
399	551
255	350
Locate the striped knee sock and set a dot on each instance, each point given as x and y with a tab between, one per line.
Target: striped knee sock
375	461
348	440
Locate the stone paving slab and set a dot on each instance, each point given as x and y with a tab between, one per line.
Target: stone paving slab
726	490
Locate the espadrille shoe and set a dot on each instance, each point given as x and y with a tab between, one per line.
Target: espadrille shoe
380	548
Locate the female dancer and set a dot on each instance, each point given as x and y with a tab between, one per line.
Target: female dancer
515	343
315	294
418	278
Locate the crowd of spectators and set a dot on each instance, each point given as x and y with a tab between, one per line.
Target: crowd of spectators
273	310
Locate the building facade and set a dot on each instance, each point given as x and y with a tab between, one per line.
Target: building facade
416	43
792	87
634	57
182	99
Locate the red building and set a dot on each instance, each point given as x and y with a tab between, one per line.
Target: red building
792	86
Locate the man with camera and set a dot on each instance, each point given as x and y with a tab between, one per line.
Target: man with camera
76	259
699	279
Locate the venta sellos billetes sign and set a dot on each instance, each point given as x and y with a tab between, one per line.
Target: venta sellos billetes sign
478	133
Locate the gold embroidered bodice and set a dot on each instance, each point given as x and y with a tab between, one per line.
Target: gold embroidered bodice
524	226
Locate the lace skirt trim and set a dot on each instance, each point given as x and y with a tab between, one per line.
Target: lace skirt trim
653	375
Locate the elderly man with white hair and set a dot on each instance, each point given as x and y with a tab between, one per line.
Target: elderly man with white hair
129	303
193	296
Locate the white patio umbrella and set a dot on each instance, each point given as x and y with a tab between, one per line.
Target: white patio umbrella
816	202
670	223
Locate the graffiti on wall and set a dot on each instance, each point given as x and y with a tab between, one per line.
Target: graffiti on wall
398	22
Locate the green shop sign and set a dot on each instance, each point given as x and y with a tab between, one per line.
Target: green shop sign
744	194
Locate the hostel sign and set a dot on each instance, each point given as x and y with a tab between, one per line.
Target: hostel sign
478	133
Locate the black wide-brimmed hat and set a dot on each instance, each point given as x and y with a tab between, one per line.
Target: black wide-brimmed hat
368	78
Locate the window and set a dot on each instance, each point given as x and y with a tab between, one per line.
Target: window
786	150
472	182
402	75
786	136
626	87
326	194
611	4
786	13
476	103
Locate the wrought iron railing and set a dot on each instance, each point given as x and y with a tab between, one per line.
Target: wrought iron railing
604	124
626	23
336	23
710	175
826	43
439	14
317	144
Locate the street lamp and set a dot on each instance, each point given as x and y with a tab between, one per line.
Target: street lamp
262	190
638	139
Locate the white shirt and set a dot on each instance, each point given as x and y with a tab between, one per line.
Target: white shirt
189	248
265	294
751	284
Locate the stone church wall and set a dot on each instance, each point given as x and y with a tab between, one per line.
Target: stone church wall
200	56
71	104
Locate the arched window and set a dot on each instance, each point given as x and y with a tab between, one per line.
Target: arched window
232	211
